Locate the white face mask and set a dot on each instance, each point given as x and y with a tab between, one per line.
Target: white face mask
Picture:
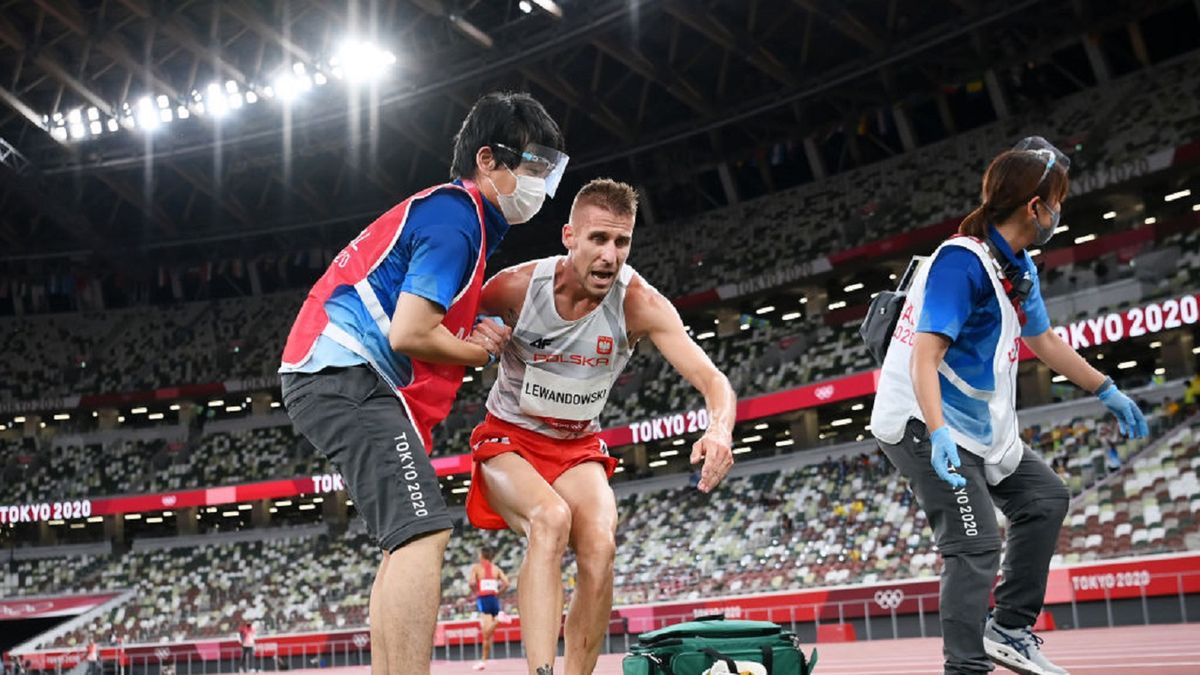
525	201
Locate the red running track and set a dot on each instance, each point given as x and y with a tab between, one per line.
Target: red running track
1136	650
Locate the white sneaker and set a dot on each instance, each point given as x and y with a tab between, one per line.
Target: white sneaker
479	665
1017	649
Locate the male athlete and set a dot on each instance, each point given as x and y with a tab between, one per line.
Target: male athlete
489	582
377	353
540	466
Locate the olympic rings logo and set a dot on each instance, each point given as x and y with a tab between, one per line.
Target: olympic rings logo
163	653
889	598
360	640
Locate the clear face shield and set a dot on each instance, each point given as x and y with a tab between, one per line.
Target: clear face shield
1049	154
542	162
1052	156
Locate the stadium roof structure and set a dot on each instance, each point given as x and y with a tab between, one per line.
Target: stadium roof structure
133	127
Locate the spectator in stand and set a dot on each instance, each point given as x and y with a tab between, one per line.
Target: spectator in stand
246	636
93	658
1192	393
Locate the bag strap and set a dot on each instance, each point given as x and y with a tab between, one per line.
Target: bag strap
768	659
718	656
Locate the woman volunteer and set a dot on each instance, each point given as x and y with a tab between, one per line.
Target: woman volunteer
949	382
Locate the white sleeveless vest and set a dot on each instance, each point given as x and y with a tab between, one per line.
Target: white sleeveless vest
896	403
555	375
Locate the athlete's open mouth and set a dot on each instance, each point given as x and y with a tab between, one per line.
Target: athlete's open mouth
603	277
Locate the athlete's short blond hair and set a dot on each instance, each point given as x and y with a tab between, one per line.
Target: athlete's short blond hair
619	199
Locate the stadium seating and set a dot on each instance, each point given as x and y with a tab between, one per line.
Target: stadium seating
840	520
151	347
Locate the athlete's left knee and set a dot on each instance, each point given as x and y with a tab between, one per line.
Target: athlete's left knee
595	549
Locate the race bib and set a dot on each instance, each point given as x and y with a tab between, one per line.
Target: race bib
489	585
544	394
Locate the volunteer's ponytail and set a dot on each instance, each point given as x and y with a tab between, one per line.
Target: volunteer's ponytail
976	222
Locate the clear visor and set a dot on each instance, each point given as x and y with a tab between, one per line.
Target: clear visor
1046	151
541	161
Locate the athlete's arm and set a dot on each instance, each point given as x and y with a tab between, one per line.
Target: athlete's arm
503	580
474	576
1053	352
504	294
417	331
650	314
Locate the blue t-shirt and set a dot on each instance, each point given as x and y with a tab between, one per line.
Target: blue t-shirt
433	258
960	303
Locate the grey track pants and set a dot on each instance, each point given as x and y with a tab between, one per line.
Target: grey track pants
1035	502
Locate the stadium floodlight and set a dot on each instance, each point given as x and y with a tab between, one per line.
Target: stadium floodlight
550	7
93	114
113	125
96	128
705	335
1085	238
320	79
765	310
361	61
1110	215
75	116
1196	207
231	87
853	287
289	86
836	305
525	6
790	315
77	131
842	422
164	102
1151	220
235	101
165	115
1177	195
215	101
1126	365
182	112
147	117
251	97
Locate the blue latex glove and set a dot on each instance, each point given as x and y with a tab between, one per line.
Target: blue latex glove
1129	416
945	455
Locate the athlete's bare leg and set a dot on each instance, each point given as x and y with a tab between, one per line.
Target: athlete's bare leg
593	537
489	629
379	661
532	508
404	604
